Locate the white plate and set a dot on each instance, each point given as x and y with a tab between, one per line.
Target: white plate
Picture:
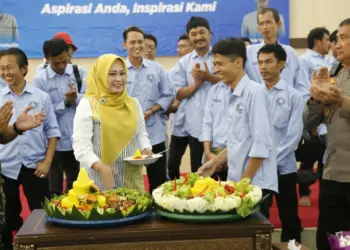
141	162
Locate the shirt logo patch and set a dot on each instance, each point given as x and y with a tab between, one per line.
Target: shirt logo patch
239	108
33	104
150	77
280	101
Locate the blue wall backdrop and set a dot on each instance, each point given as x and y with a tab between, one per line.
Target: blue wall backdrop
96	26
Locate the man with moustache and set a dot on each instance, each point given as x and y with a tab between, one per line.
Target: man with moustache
194	79
148	83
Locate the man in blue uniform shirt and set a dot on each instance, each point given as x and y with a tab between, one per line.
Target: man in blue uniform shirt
287	107
293	74
179	136
59	81
148	83
251	151
194	79
26	160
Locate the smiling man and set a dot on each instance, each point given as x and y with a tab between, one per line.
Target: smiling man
194	79
250	152
148	83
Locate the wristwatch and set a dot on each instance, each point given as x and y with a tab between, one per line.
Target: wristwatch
18	131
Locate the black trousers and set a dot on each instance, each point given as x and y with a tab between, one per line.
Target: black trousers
287	203
196	153
177	149
35	189
63	162
157	171
304	188
334	211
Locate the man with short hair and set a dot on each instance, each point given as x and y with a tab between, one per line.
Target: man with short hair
314	141
251	151
287	107
269	22
250	24
330	103
333	57
71	50
59	80
179	137
194	79
151	44
27	159
148	83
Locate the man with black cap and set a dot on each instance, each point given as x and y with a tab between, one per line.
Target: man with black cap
195	78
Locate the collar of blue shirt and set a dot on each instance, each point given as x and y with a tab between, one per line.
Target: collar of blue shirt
194	53
7	90
280	85
144	63
314	53
241	85
51	73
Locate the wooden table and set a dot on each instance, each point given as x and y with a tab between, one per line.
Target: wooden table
154	233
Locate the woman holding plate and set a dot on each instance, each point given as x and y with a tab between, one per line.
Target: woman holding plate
109	126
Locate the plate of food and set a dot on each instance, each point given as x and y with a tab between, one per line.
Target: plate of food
202	199
139	159
86	205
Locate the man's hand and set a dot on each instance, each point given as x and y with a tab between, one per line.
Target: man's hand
329	94
209	168
174	105
147	152
42	169
198	74
320	81
209	156
71	95
26	122
148	114
5	116
206	73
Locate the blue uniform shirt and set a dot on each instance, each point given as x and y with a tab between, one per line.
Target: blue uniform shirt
215	117
194	105
29	148
293	74
287	107
56	86
250	134
2	83
178	118
150	86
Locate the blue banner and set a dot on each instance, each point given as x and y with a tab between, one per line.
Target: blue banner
96	26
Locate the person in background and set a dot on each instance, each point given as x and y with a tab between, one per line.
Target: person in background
148	83
246	41
194	79
24	122
2	81
151	44
179	137
27	159
250	23
330	103
287	108
269	22
71	50
332	58
8	28
250	151
59	81
109	126
314	141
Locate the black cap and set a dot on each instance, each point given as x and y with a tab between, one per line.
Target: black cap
197	21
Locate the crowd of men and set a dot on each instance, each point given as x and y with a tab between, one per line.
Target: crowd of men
239	108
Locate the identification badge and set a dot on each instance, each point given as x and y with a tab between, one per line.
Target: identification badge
239	108
326	111
280	101
150	77
35	106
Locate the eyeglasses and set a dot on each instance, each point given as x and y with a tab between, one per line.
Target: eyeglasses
151	47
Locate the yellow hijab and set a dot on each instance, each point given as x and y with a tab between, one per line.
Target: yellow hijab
117	112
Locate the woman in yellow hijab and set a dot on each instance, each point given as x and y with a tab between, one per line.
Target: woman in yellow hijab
109	126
